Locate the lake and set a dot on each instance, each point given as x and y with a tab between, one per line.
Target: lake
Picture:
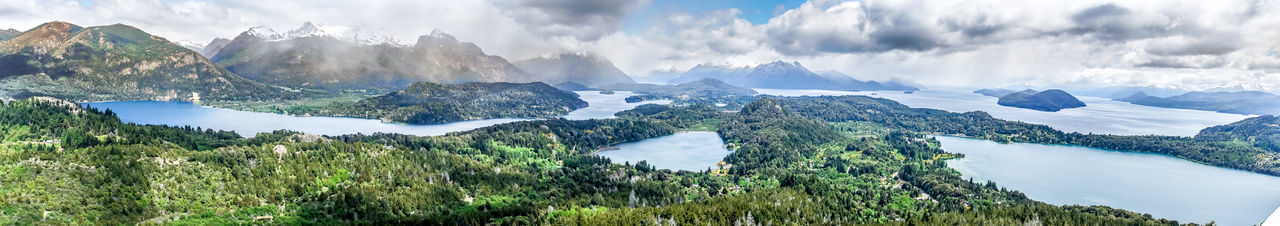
177	113
692	151
1102	116
1161	185
605	105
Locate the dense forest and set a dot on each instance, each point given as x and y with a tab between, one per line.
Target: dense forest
432	103
1236	151
60	164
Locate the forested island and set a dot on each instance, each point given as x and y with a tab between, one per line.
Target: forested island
431	103
855	160
1048	100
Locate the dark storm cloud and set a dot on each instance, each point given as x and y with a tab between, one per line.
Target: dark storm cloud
815	31
584	20
1110	22
1164	63
1213	46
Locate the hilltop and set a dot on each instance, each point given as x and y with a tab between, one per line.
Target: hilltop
1048	100
115	62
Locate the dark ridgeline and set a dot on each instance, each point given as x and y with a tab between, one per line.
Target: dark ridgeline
1243	102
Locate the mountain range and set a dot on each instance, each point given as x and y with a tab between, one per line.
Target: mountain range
115	62
582	68
312	57
1242	102
783	75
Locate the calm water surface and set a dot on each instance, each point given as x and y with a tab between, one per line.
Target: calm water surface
605	105
1101	116
692	151
176	113
1163	186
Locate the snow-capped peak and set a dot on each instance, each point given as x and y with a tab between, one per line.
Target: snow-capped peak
190	45
308	29
438	34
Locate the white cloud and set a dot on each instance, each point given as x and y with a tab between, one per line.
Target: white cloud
1187	44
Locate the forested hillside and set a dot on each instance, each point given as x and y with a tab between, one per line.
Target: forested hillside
66	165
431	103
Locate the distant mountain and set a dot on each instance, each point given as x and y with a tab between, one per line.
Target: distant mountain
316	57
114	62
701	88
1136	96
582	68
214	47
572	86
431	103
1242	102
783	75
9	34
190	45
994	92
1126	91
1048	100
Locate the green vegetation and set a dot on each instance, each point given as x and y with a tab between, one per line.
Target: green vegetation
431	103
788	169
1205	148
706	91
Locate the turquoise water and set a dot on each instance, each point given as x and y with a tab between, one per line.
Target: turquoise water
692	151
1163	186
177	113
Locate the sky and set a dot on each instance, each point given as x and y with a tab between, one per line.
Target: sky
1189	45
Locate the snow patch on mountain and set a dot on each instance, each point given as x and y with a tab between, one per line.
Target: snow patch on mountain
308	29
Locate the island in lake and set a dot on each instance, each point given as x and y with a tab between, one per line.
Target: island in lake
1048	100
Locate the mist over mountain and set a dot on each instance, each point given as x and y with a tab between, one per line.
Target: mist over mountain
318	58
114	62
783	75
1242	102
7	34
583	68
